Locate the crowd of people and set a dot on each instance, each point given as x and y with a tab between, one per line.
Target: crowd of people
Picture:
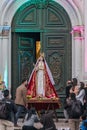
16	107
41	84
75	94
75	104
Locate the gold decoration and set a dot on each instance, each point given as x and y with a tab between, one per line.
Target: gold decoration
38	48
29	96
0	79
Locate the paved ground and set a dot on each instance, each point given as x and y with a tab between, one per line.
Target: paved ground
60	125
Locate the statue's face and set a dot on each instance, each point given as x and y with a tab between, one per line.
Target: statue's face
41	58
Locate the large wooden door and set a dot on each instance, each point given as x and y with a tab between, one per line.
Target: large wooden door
23	56
48	22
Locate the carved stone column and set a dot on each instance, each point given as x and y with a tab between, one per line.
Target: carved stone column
78	32
4	53
1	56
5	59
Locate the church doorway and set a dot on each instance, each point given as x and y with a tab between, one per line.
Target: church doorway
48	23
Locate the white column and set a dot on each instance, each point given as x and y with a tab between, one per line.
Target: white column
9	61
73	56
78	59
1	56
77	33
85	66
5	57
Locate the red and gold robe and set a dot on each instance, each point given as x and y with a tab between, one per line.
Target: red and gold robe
49	87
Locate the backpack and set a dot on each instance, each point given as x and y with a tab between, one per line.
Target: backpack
76	109
3	110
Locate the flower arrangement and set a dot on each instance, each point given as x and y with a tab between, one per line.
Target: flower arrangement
40	97
29	96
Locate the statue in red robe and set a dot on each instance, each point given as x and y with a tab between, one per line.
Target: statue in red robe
41	83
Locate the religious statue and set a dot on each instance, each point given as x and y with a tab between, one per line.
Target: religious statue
40	78
41	83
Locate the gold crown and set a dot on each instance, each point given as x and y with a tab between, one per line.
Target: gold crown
42	54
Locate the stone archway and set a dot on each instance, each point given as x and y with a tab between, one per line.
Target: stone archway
8	15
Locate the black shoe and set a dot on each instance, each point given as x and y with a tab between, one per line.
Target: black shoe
16	125
66	121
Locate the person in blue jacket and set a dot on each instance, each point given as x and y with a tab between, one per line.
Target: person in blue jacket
83	125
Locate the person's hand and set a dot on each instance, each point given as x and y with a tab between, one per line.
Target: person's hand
76	90
71	90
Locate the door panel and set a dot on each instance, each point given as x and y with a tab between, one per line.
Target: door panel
56	49
58	55
23	57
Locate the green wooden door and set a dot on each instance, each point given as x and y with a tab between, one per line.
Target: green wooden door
23	57
48	22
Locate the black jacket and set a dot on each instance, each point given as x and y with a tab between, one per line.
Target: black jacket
47	121
12	109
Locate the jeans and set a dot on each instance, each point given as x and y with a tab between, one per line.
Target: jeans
20	109
66	114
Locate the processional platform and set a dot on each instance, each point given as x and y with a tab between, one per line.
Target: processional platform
45	103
